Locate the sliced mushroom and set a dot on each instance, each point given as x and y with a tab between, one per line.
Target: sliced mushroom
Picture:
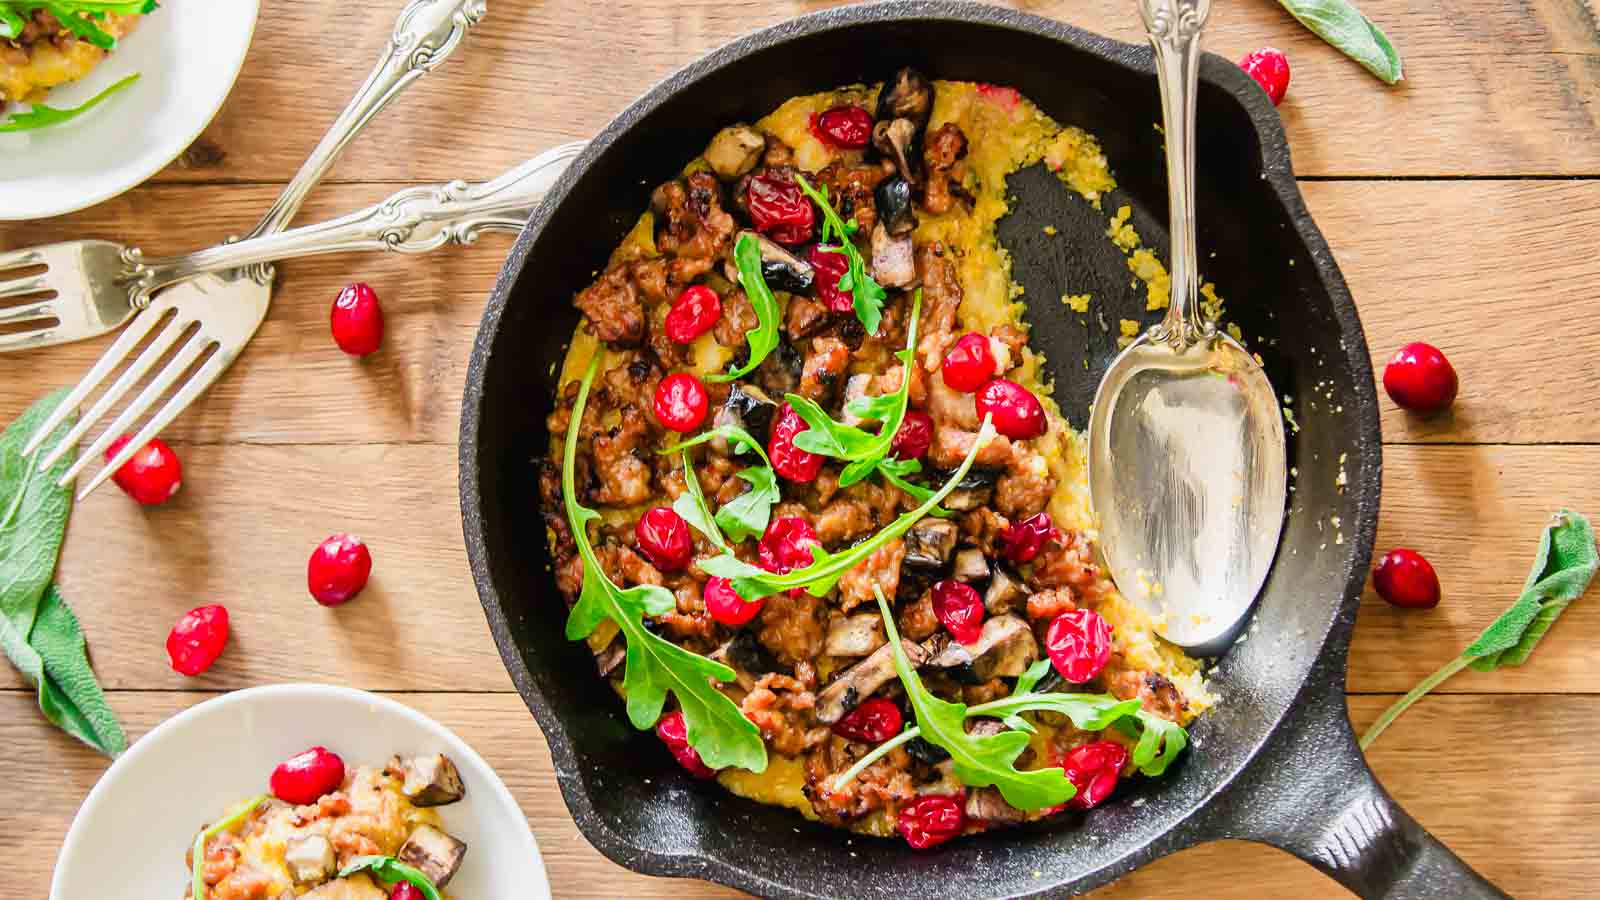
925	752
862	680
855	388
971	565
780	372
1005	592
780	269
897	140
437	854
747	653
310	858
893	259
930	543
971	492
908	95
988	805
856	635
896	205
607	660
1004	649
747	407
734	151
431	780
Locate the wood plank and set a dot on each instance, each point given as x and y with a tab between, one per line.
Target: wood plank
1435	261
1535	774
248	516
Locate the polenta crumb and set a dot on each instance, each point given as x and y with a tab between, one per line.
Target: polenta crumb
1079	303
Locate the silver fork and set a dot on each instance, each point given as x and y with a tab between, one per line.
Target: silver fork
414	220
425	33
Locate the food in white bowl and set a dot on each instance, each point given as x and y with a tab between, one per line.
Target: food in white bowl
46	45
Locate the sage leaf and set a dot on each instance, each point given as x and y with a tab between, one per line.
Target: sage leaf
1344	27
69	695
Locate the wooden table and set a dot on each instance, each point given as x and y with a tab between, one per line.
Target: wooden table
1462	206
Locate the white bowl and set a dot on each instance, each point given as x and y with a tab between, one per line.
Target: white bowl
188	54
144	812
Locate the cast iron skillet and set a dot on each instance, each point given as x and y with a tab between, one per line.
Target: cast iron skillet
1277	762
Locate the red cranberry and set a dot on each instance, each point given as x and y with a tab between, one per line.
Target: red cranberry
931	820
1420	379
788	460
1020	542
786	545
338	570
1094	769
664	539
873	722
1270	68
197	639
969	364
674	732
779	209
357	320
695	311
152	476
726	606
914	437
304	778
681	402
1079	644
849	127
831	265
959	609
405	890
1015	411
1406	579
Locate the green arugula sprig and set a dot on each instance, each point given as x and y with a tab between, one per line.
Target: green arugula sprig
197	881
1562	569
746	515
1344	27
826	569
869	295
763	339
390	870
654	665
895	471
42	116
691	505
80	17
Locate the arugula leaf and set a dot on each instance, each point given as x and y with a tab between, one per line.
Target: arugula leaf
691	505
826	436
197	882
746	515
895	471
1344	27
390	870
41	116
77	16
869	295
827	568
654	665
763	338
11	24
1564	565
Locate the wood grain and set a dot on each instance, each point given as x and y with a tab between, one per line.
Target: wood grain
1534	779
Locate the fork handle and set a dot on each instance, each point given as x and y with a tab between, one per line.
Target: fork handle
414	220
425	33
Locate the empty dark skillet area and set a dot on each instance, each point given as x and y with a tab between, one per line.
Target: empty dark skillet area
1276	762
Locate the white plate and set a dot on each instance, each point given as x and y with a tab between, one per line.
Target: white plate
188	54
129	837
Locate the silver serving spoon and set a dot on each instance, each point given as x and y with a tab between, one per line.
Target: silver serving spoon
1186	447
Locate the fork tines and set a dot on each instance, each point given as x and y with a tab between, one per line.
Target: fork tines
35	308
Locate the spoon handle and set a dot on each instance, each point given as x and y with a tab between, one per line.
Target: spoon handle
1174	28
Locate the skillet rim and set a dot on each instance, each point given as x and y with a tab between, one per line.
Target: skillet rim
1326	672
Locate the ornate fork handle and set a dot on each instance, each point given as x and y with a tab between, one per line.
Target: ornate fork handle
414	220
426	32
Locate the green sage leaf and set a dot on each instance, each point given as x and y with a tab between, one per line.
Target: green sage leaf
1344	27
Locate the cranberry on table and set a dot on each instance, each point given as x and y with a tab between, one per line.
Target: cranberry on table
681	402
914	437
1406	579
151	476
1079	644
969	364
849	127
788	460
1014	410
674	732
1094	769
306	777
779	209
786	545
405	890
931	820
959	608
1419	378
726	606
1021	542
831	265
357	320
694	313
197	639
338	570
1270	68
873	722
664	539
